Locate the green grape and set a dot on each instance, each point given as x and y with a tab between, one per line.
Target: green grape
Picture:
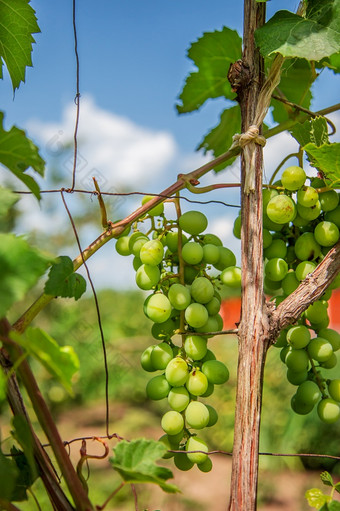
212	325
215	371
152	252
211	254
308	392
196	315
277	248
304	268
334	216
196	444
300	222
320	349
316	182
270	225
213	416
182	461
321	324
316	312
281	209
334	389
330	362
284	352
328	410
237	227
165	330
155	211
332	336
209	356
290	283
202	290
307	196
220	323
197	383
136	263
281	341
190	274
336	282
213	306
209	391
270	285
157	388
175	440
231	277
147	276
301	408
179	296
195	346
206	466
171	240
276	269
157	308
165	440
122	246
212	239
298	336
296	378
161	355
177	372
145	359
310	213
326	234
137	244
134	236
227	258
192	252
172	422
267	238
306	247
178	398
296	360
197	415
293	178
193	222
329	200
267	195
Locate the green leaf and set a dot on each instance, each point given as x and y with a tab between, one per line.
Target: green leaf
326	478
7	200
212	54
220	138
60	361
313	130
63	282
316	498
332	62
337	487
135	462
325	158
23	435
334	506
312	37
295	84
20	268
18	23
18	153
8	476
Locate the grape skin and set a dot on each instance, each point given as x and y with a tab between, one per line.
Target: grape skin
193	222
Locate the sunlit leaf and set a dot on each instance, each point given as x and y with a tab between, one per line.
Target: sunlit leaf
325	158
63	282
313	131
316	498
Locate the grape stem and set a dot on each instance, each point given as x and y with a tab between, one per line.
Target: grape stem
317	377
288	157
180	264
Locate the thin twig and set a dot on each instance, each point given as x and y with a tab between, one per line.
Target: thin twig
76	99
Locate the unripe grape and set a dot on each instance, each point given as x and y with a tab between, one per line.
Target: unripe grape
307	196
281	341
122	246
172	422
136	263
296	360
306	247
146	359
209	391
320	349
179	296
182	461
171	240
334	389
332	336
334	216
231	277
277	248
270	225
205	466
328	411
213	416
308	392
196	315
290	283
138	244
196	444
304	268
156	210
215	371
237	227
165	330
197	383
177	372
326	234
213	307
212	325
329	200
190	274
202	290
298	336
161	355
197	415
212	239
299	407
281	209
276	269
316	312
192	252
211	254
165	440
267	238
195	346
157	308
158	387
293	178
152	252
296	378
193	222
147	276
310	213
330	362
267	195
227	258
178	398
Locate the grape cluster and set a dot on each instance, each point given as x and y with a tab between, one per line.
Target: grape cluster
301	224
183	269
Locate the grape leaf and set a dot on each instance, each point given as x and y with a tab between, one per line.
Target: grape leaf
18	153
212	54
316	498
18	23
20	268
325	158
135	462
8	476
326	478
332	62
312	37
334	506
295	84
7	200
23	435
63	282
337	487
60	361
312	130
220	138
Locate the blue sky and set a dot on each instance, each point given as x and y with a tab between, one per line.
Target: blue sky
132	66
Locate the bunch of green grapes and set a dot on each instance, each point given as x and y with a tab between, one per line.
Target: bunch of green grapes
300	226
184	270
